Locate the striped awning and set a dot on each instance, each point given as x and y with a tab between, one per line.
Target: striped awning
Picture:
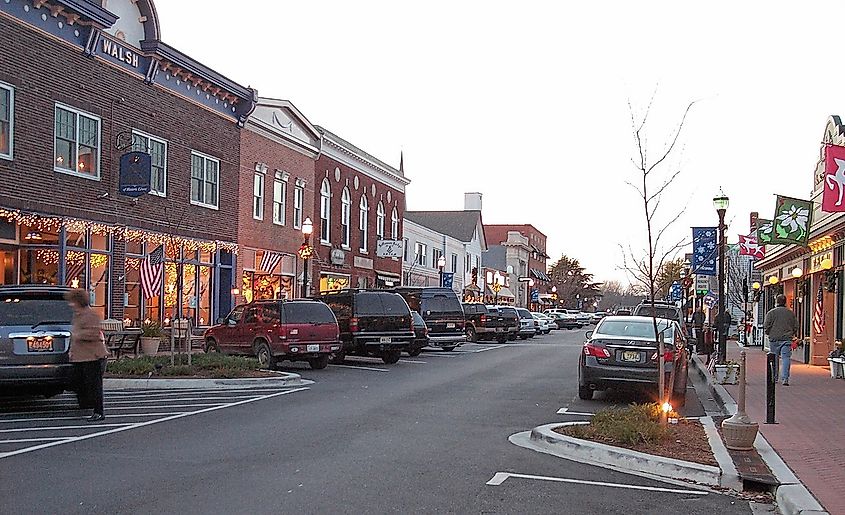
539	275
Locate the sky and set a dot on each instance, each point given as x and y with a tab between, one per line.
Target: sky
528	102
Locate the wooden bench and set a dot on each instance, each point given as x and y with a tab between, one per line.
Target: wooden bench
118	339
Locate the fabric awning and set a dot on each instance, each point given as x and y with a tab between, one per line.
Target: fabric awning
539	275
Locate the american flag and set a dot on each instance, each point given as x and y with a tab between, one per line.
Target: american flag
152	270
270	260
818	312
74	270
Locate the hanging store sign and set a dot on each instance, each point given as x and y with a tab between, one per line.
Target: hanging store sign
135	174
390	248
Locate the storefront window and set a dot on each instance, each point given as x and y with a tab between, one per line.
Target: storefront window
35	236
203	316
99	286
39	266
132	296
10	267
75	239
75	269
333	282
100	242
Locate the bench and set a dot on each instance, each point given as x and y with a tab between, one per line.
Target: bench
119	340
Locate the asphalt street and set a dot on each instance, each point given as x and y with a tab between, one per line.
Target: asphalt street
426	435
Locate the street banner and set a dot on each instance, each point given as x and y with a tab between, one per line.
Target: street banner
834	179
792	220
448	278
675	292
711	299
764	231
748	246
704	250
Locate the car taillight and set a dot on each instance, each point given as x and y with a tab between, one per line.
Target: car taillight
483	319
597	351
353	324
667	356
412	324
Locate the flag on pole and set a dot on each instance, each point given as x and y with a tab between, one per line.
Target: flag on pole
270	260
833	199
818	312
792	220
704	250
74	268
765	228
152	273
748	246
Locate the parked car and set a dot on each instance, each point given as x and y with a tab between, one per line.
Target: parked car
510	318
565	321
483	323
597	316
527	328
622	353
442	311
420	335
544	323
661	309
372	323
581	317
34	341
622	312
277	330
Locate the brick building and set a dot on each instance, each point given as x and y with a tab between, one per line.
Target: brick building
80	86
527	256
359	200
278	152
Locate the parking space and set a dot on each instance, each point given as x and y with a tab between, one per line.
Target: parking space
29	424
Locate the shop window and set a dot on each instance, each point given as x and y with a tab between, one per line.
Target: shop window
258	196
298	196
34	236
7	120
75	239
99	283
132	295
205	177
39	266
333	282
157	149
325	211
10	266
380	221
280	193
135	247
345	217
394	224
77	142
100	242
205	256
363	209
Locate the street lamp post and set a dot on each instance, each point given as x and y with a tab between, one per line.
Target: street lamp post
441	263
721	204
305	252
745	311
497	286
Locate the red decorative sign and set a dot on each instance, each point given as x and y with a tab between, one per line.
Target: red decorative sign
833	200
748	246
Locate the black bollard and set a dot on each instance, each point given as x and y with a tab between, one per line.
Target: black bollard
771	379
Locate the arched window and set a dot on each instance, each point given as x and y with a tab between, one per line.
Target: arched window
380	221
345	216
362	221
394	224
325	210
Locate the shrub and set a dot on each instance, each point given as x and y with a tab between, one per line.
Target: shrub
137	366
218	365
637	423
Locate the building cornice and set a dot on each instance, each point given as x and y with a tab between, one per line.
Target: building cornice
349	157
266	130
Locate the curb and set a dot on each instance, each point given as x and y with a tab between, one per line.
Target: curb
622	459
792	496
284	380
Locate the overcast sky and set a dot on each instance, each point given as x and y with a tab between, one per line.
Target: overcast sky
527	101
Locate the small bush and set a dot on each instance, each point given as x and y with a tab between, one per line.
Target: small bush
637	423
136	366
217	365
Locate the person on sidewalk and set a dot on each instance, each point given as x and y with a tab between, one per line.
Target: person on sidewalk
781	326
698	330
88	352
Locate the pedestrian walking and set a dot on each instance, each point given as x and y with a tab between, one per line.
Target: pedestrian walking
698	328
88	352
781	326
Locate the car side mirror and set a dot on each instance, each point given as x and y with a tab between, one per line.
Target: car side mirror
231	322
221	320
589	334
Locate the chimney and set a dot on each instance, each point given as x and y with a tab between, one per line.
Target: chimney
472	201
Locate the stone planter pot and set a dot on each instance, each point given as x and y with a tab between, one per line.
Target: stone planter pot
739	435
727	374
149	345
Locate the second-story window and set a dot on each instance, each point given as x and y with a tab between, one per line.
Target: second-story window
298	198
436	254
363	209
454	263
258	196
419	254
157	148
394	224
77	142
345	217
280	195
380	221
7	120
325	211
205	178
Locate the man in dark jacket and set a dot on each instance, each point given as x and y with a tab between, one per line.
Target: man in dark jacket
781	326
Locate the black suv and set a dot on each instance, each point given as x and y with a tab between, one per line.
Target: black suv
441	309
34	340
372	323
510	319
483	323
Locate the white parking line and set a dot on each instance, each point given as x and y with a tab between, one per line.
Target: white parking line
486	349
143	424
412	361
80	417
500	478
361	368
565	411
58	428
31	440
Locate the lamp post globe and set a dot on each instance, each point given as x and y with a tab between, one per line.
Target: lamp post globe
441	263
307	229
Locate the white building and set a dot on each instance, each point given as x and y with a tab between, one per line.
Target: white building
423	249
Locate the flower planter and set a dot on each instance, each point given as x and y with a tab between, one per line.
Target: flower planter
836	368
149	345
727	374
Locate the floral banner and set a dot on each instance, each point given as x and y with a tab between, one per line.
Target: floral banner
765	228
792	220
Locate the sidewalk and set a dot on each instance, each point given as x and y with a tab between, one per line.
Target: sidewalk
810	417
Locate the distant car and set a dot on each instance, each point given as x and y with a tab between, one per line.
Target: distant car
544	323
277	330
585	318
622	312
622	353
510	318
580	318
565	321
597	316
34	340
420	335
527	328
660	309
483	323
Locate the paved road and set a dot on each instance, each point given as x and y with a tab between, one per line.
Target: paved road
425	435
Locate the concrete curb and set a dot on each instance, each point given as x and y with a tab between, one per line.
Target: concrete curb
621	459
284	380
792	496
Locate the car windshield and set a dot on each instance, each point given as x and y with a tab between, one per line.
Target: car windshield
380	304
32	309
634	329
524	313
440	303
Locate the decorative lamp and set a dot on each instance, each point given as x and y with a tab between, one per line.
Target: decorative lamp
721	202
755	285
797	272
773	280
307	226
827	264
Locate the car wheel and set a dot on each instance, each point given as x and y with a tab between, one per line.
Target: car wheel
264	355
585	392
211	345
414	352
319	363
337	358
391	356
502	339
449	349
471	334
512	337
523	337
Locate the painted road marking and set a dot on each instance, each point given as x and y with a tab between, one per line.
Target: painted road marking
565	411
48	419
361	368
411	361
29	440
500	478
485	349
58	428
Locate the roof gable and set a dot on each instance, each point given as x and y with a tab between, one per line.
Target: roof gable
461	225
282	119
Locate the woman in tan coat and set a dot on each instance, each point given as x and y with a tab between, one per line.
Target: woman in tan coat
88	352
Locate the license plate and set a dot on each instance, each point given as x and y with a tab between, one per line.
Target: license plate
385	339
312	348
39	345
450	326
630	355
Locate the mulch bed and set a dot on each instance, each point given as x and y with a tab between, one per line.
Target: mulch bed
201	374
686	441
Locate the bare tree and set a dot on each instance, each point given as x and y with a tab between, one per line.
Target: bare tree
654	175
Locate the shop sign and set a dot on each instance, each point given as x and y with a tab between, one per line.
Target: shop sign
817	261
120	52
390	248
362	262
702	284
337	257
135	173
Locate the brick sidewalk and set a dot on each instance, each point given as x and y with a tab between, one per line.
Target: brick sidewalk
810	420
